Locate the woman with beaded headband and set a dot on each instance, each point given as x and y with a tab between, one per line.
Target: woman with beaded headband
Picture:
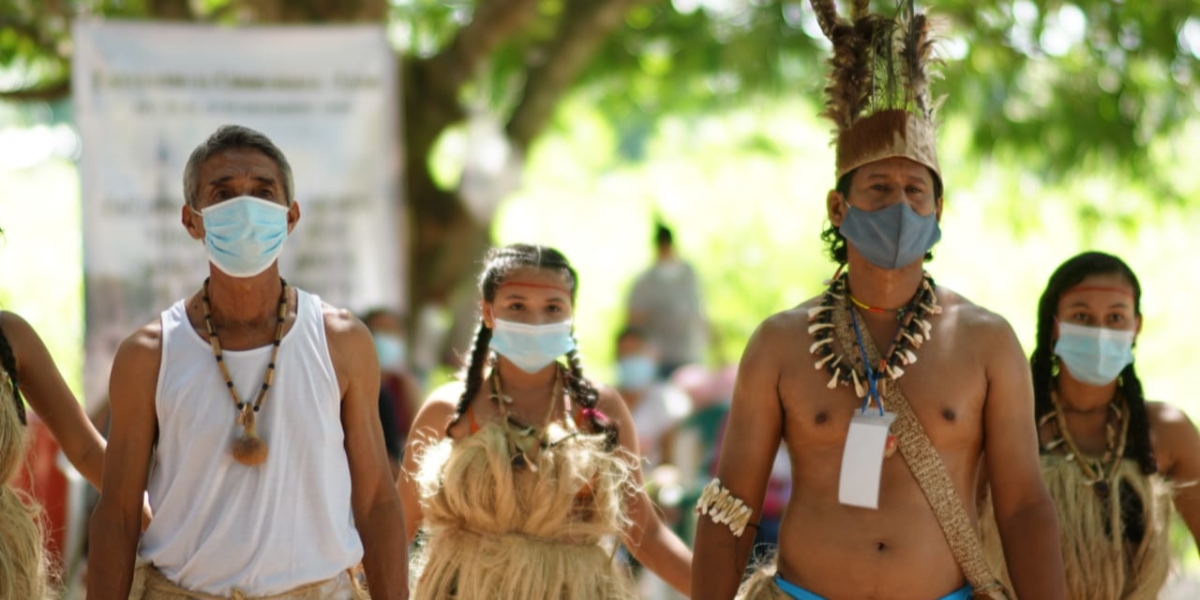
522	472
1107	454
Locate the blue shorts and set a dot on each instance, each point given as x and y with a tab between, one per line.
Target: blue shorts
800	593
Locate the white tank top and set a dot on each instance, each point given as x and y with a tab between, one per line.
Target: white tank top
219	525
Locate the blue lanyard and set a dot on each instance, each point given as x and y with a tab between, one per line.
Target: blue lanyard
872	379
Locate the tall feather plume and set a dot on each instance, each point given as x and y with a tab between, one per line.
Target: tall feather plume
917	52
827	15
888	94
851	79
877	63
866	29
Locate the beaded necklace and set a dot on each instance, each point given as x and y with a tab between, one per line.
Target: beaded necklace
875	309
1098	473
248	448
526	439
833	313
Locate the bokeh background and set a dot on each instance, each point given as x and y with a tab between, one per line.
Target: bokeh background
1067	126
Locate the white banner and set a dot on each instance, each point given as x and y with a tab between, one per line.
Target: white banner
147	94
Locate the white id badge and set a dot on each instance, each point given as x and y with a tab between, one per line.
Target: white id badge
862	459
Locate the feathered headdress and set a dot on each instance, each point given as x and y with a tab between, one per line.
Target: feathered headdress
878	91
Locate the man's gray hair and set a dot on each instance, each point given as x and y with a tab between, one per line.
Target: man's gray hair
234	136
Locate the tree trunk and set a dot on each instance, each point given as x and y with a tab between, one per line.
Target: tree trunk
444	241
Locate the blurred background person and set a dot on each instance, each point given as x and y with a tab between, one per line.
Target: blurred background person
399	393
695	444
656	404
666	304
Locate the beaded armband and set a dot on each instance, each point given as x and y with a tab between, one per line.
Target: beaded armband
723	507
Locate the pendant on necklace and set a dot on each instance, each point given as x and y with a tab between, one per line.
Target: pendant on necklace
1102	489
248	448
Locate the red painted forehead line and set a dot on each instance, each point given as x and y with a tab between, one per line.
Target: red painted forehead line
1101	288
541	286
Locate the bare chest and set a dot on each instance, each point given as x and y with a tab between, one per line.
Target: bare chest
946	388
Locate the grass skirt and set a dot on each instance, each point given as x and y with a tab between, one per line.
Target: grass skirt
1100	566
23	571
499	531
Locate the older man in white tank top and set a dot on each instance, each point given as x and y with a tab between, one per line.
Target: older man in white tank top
258	405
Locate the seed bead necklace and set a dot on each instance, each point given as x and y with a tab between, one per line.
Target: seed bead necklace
875	309
1099	474
248	448
520	449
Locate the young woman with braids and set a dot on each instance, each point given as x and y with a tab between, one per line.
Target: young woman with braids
520	472
1107	454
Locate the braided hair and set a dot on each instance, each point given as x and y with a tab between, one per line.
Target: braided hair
498	265
8	362
1043	363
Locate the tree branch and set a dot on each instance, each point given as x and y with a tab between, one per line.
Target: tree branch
584	27
58	91
432	85
494	21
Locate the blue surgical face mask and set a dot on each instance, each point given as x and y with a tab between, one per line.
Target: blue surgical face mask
891	237
391	350
1094	355
636	372
531	347
243	236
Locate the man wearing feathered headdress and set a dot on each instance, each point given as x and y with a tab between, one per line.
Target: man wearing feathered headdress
894	396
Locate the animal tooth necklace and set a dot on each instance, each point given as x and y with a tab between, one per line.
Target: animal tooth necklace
834	315
248	449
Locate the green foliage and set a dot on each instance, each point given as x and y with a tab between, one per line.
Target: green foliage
1087	84
1061	85
744	192
41	256
422	27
